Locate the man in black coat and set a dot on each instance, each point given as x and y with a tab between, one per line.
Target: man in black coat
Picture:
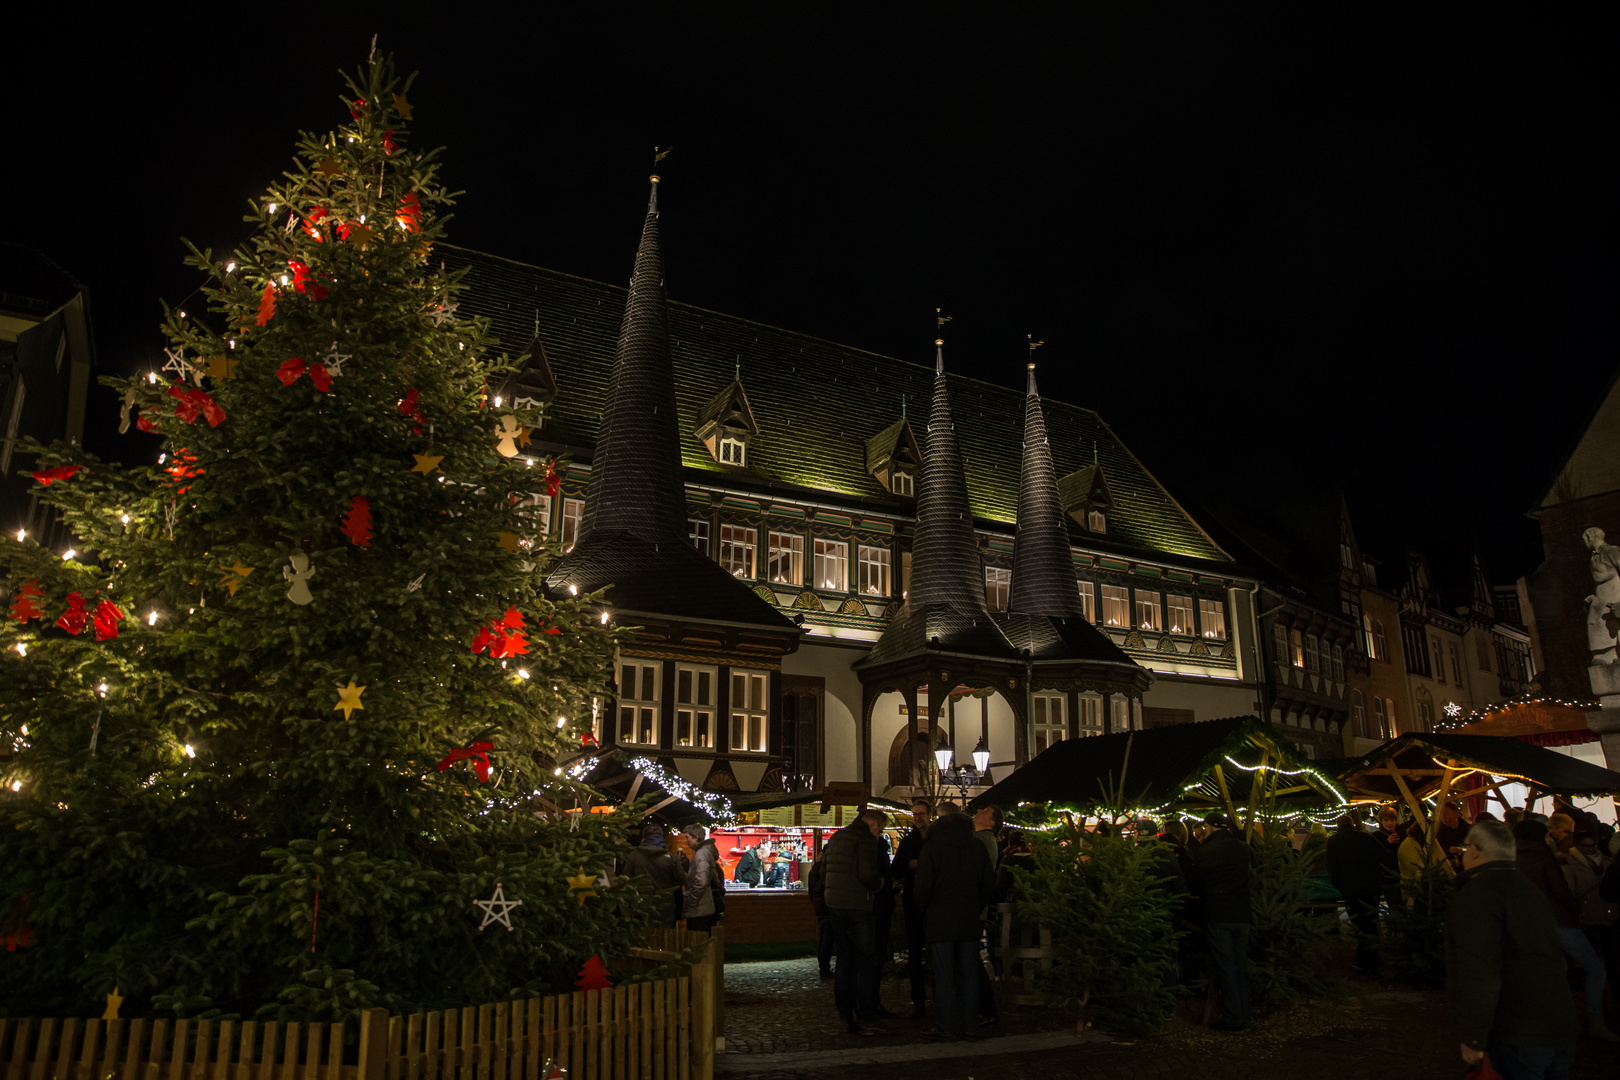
856	867
1355	864
1221	880
1505	968
905	871
652	860
954	882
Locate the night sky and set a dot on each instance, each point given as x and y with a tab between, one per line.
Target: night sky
1279	251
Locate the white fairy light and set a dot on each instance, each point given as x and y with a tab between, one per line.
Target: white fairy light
284	279
16	785
22	650
498	401
272	208
124	519
102	689
230	267
523	673
604	618
68	554
151	376
151	618
557	771
20	534
188	751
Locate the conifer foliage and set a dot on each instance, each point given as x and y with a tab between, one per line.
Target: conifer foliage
225	798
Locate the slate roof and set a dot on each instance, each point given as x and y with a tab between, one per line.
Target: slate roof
944	555
817	404
1498	755
1163	761
1051	638
1043	581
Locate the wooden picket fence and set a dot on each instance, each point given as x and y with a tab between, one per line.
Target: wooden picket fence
662	1030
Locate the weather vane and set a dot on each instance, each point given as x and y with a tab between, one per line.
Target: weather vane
660	153
1033	344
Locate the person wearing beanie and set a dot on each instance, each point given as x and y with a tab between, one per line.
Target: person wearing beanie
653	861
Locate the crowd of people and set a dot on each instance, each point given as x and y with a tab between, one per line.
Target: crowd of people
1536	897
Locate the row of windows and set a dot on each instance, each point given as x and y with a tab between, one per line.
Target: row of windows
1050	726
1153	610
641	692
1383	717
1309	652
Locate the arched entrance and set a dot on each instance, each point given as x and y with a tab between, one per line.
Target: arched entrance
904	761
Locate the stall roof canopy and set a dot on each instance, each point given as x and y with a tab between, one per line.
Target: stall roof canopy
1421	759
1170	768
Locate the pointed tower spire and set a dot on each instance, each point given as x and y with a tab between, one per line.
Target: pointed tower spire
944	556
635	484
1043	581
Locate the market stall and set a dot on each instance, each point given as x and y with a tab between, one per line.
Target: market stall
1237	766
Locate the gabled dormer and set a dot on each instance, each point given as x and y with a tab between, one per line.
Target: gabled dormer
894	459
726	426
531	386
1085	498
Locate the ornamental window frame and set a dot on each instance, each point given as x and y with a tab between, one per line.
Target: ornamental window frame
874	563
750	710
1149	610
1096	521
1048	720
1088	601
997	587
1212	618
1116	609
1180	612
573	513
831	565
784	550
902	482
732	450
1089	715
737	551
635	710
696	696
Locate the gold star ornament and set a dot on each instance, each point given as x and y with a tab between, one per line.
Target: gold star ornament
426	463
402	106
113	1002
581	886
234	583
221	368
507	541
328	167
349	699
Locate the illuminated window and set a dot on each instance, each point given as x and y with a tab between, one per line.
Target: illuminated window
901	483
731	451
573	511
874	564
1379	642
537	509
737	550
1393	729
1297	640
1122	718
1181	615
832	565
905	573
1338	664
1148	612
1346	559
694	706
785	562
997	584
1088	601
1090	715
1366	632
1310	653
1096	521
697	531
1116	605
638	703
1213	615
1049	725
748	711
1381	725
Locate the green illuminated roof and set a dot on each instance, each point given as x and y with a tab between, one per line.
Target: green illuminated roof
817	404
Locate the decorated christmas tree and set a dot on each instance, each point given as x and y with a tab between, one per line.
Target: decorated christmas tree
281	724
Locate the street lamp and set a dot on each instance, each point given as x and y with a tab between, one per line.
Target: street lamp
962	777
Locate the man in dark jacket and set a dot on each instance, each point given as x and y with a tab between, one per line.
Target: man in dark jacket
954	882
818	903
1505	964
905	873
1355	864
749	868
1535	860
652	860
1221	880
856	863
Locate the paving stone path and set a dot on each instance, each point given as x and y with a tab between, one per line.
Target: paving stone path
780	1024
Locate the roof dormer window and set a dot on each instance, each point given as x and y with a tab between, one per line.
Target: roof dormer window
893	458
901	483
1096	521
1085	498
725	426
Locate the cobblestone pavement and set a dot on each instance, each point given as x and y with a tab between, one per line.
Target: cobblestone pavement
780	1024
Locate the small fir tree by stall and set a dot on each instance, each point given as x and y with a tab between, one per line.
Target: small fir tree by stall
1417	930
1290	942
277	724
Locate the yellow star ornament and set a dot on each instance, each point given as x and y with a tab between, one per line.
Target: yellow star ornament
221	368
113	1002
241	572
349	699
581	886
426	463
402	106
328	167
507	541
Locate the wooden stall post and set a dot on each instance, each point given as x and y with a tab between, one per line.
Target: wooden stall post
702	1022
1256	779
1226	796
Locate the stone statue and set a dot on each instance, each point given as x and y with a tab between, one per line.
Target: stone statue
1603	618
1603	606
